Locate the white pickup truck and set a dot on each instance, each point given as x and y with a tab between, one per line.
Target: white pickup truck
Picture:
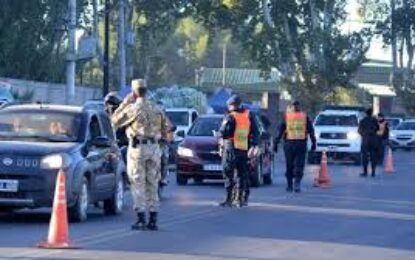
336	130
183	119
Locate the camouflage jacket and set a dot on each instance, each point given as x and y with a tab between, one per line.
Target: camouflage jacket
142	118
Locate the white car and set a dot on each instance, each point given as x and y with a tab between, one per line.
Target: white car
337	134
403	136
183	119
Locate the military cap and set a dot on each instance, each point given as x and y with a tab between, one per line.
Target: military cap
138	83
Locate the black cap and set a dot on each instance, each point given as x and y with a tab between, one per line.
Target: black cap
234	100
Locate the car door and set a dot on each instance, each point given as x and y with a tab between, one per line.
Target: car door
111	154
96	158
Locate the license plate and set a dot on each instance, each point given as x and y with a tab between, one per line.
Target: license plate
9	185
212	167
332	148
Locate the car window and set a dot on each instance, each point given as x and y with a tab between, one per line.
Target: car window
336	120
40	125
406	126
106	127
94	129
178	118
204	126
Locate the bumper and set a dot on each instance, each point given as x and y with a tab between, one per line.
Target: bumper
338	147
394	143
33	191
192	168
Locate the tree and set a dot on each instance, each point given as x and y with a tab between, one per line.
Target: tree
398	30
32	39
302	39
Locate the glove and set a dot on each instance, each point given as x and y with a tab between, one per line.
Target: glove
313	147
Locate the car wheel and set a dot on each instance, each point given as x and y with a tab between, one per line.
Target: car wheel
115	204
257	178
79	212
198	180
181	180
357	160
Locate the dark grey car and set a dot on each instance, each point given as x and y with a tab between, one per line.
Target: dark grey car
36	141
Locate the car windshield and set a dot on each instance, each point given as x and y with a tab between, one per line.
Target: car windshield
406	126
178	118
44	126
393	122
205	126
336	120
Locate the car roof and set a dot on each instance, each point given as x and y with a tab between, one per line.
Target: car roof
340	112
180	109
212	116
49	107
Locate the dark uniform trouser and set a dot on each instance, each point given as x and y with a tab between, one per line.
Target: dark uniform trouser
295	153
382	147
370	152
236	159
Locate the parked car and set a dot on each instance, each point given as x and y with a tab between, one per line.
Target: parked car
198	155
393	122
336	130
403	136
37	141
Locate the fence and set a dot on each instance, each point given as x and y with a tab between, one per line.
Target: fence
52	93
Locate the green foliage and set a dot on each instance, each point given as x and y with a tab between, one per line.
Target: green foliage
300	38
24	96
32	39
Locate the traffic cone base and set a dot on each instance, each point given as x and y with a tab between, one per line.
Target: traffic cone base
323	179
58	236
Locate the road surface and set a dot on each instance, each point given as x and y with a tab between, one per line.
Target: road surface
356	218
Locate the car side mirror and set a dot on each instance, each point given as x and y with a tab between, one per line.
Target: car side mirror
101	142
181	133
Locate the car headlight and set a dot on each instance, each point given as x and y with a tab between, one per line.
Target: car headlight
353	135
55	161
392	134
185	152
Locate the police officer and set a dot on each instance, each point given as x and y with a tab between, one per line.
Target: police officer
294	129
239	133
368	129
146	126
383	135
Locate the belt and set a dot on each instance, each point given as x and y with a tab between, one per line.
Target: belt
140	141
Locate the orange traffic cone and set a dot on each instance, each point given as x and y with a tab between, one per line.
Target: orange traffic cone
323	179
58	236
389	162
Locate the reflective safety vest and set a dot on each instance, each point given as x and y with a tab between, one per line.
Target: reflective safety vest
296	126
382	128
242	127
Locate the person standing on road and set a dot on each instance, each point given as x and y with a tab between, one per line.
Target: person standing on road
294	130
368	129
146	126
383	135
239	134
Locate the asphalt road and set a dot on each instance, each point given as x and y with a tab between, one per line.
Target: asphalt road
354	219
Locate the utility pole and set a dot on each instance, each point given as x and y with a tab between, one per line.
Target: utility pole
121	43
225	46
71	54
106	48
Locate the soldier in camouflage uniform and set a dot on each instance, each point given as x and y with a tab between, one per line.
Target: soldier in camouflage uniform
146	126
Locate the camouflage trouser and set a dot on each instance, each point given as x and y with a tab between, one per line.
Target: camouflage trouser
164	160
143	168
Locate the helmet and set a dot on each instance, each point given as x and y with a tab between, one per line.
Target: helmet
234	100
112	99
137	84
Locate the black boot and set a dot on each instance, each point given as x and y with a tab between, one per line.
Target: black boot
141	222
297	187
228	199
289	186
152	224
245	197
